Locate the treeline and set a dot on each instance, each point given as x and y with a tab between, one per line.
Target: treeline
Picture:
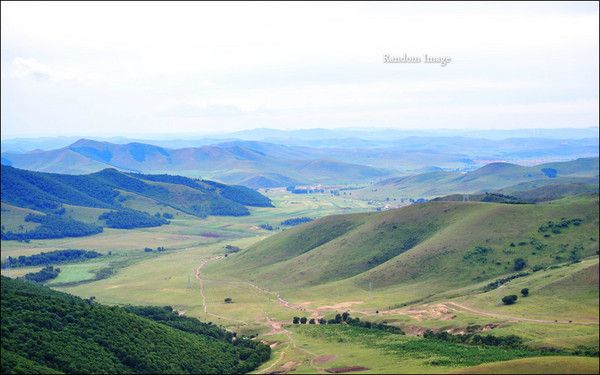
52	226
241	194
296	221
46	329
510	341
43	275
345	318
128	219
562	224
52	257
498	282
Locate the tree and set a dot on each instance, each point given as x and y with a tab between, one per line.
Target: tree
509	300
322	321
228	300
338	318
345	316
303	320
296	320
520	263
525	292
311	321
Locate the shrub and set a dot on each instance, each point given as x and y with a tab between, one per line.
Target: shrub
525	292
509	300
520	263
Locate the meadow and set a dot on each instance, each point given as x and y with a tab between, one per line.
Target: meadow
193	277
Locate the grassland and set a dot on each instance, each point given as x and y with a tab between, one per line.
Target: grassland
194	277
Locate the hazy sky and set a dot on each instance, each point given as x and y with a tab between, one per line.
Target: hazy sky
139	69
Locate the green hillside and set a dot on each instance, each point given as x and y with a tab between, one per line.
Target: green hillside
45	331
86	203
488	178
459	243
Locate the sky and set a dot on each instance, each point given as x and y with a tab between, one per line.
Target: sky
137	69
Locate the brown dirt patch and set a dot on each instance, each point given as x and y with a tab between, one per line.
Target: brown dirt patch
434	312
340	306
341	370
324	359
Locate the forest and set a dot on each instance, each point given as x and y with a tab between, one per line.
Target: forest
48	331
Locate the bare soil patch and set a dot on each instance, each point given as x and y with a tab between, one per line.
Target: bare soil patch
324	359
341	370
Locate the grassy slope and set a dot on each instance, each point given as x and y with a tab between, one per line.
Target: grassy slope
487	178
419	242
543	365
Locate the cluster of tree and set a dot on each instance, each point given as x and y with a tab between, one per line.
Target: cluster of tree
555	228
127	219
496	284
43	275
52	257
296	221
266	226
550	172
306	191
501	198
478	254
167	215
519	264
52	226
159	249
54	332
345	318
241	194
510	341
232	249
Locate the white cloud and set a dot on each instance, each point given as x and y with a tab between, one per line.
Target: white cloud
90	67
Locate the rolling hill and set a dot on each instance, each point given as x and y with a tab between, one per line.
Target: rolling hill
491	177
108	196
254	164
44	331
455	243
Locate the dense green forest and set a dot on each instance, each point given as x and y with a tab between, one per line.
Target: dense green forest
46	192
296	221
52	226
47	331
51	257
128	219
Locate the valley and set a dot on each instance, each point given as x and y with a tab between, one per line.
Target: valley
277	276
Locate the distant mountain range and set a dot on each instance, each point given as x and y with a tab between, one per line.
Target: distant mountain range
491	177
316	137
262	164
254	164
